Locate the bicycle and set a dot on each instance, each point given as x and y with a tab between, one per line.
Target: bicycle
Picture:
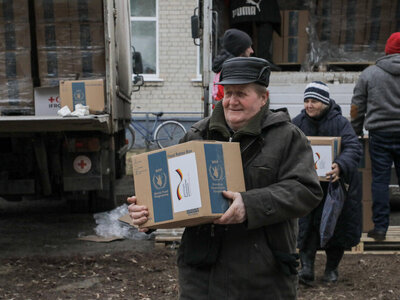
164	134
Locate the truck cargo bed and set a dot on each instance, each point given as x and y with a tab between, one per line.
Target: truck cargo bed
55	123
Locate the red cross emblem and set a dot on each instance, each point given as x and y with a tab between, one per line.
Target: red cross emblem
82	164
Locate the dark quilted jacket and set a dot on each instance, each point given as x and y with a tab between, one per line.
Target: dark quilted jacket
349	226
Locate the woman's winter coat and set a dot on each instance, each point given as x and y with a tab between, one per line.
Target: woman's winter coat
349	225
254	259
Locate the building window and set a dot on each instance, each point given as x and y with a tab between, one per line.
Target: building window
144	31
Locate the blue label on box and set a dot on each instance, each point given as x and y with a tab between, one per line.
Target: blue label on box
216	177
160	187
335	148
78	93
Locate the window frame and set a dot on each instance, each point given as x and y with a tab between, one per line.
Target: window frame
156	76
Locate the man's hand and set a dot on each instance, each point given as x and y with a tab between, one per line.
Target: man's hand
236	213
334	173
138	213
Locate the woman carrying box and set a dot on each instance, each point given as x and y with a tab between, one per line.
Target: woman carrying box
321	116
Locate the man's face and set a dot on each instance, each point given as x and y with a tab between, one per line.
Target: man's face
241	103
248	52
313	107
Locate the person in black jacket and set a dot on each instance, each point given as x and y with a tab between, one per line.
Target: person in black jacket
235	43
321	116
261	15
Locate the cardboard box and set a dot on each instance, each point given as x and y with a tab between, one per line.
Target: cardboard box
365	161
292	46
354	19
53	36
368	224
15	64
86	92
325	150
182	185
50	11
14	11
89	63
87	35
85	11
329	15
14	36
16	97
47	101
55	64
366	181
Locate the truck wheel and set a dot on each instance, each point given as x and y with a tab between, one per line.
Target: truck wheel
92	201
14	198
77	202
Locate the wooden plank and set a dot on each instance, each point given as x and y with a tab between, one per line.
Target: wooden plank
392	241
162	239
350	63
374	252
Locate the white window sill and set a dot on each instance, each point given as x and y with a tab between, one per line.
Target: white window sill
153	79
197	79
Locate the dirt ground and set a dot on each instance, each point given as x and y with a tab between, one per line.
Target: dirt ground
153	275
41	257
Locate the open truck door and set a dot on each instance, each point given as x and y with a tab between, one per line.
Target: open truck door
202	28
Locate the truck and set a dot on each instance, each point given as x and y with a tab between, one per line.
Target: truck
331	42
79	159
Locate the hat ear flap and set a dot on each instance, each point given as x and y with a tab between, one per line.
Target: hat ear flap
263	76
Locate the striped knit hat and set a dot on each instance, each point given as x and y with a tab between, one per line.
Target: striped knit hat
317	90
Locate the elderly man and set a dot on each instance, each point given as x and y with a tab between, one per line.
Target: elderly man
249	252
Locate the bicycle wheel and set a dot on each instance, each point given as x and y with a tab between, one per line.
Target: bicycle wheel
130	136
169	133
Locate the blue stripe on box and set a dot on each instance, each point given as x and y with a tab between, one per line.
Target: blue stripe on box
335	148
78	93
160	187
216	177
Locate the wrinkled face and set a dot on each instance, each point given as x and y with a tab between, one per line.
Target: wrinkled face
241	102
248	52
313	107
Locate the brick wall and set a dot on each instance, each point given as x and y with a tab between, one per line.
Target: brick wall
178	90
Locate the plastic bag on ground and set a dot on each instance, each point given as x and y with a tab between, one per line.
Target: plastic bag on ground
108	225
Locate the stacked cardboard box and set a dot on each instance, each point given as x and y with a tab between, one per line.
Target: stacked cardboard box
70	40
292	46
16	93
366	178
354	30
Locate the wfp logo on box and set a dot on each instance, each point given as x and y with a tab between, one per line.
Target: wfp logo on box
216	171
159	179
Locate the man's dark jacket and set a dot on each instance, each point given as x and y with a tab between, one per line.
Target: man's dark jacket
240	261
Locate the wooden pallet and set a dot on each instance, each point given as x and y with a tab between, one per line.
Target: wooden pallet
168	237
344	66
172	237
391	245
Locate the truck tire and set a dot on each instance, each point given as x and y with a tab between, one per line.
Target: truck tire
92	201
103	200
